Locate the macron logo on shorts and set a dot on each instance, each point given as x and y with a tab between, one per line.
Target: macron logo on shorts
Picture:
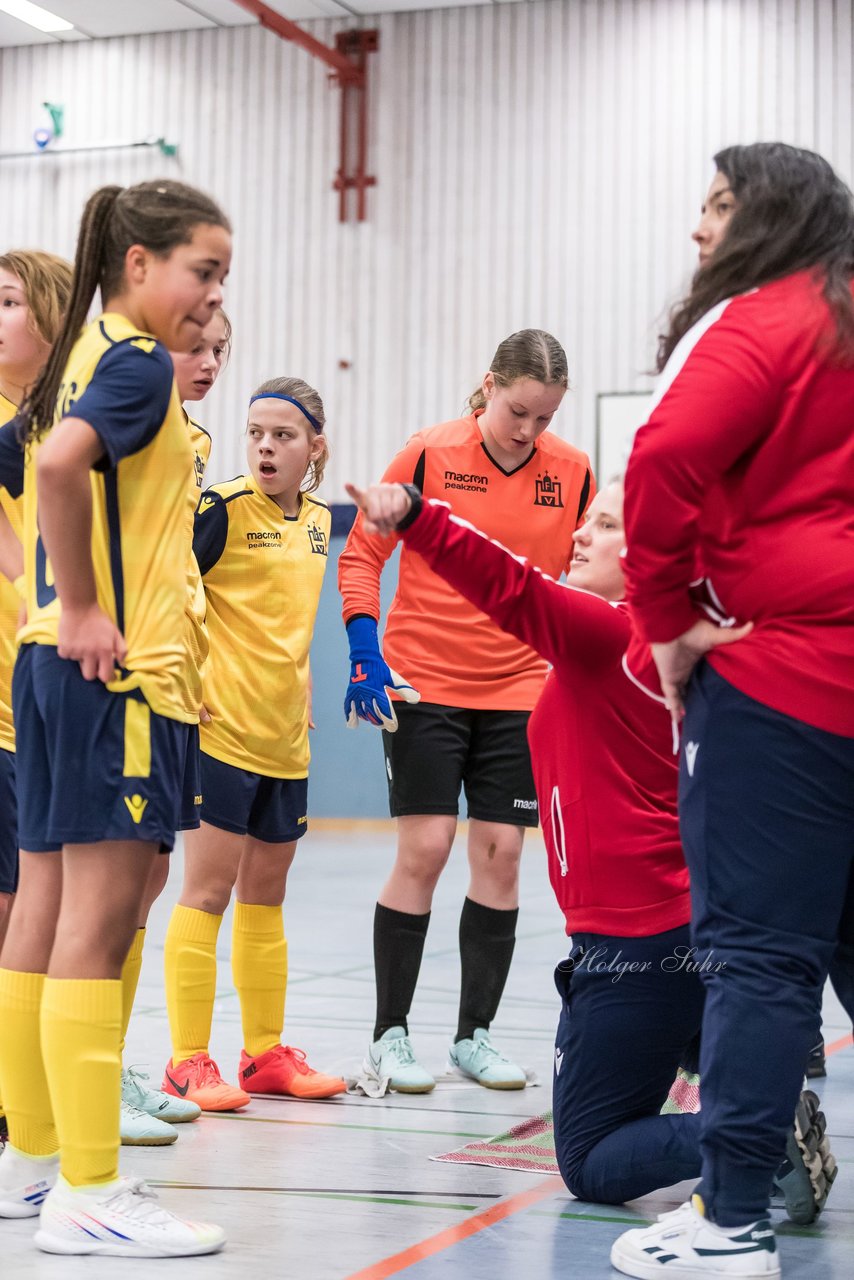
524	804
691	749
137	806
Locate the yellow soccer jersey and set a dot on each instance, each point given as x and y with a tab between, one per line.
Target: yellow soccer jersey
263	572
121	382
9	606
195	631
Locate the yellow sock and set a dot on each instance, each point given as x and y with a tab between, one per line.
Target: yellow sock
25	1090
190	964
81	1030
130	980
259	965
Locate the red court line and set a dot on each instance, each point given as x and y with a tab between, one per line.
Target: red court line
489	1217
453	1235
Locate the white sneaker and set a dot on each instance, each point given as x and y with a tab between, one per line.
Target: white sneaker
163	1106
24	1182
138	1129
683	1245
120	1218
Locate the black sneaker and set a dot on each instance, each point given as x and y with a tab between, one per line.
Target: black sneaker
816	1065
806	1175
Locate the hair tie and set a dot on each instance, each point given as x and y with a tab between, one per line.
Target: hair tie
277	395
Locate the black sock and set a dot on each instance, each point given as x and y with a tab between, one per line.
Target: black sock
398	947
487	939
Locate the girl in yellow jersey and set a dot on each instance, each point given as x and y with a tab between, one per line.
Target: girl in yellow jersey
261	542
148	1115
101	728
34	291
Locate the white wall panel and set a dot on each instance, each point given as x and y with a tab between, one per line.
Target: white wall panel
538	164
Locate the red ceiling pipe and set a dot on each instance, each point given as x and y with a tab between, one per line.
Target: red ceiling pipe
348	61
344	69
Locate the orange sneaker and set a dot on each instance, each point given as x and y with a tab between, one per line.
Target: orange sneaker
198	1080
284	1070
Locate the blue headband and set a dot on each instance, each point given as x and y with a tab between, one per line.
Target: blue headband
275	395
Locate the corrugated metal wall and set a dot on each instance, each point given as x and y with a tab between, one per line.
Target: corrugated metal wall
538	164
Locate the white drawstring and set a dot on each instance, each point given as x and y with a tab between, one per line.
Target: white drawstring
558	830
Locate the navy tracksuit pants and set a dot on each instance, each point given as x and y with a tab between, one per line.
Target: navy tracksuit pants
631	1009
766	814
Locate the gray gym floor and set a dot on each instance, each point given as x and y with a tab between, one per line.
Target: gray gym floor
346	1188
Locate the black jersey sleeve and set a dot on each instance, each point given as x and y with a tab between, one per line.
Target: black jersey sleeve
210	529
11	460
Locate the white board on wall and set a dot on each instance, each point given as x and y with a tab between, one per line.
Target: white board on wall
618	416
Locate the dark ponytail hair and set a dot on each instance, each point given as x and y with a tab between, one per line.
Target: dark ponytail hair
792	212
530	353
159	216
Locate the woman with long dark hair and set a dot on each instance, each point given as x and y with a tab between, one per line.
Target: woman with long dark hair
739	509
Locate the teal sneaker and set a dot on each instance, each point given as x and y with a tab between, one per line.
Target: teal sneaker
160	1106
392	1057
479	1059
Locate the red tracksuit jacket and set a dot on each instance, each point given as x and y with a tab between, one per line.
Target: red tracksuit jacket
745	472
600	737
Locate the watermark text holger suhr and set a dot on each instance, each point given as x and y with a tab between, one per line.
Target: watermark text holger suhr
681	960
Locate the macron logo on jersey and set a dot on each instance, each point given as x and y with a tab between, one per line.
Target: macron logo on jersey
466	480
263	539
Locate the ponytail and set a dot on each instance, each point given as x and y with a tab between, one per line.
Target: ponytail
37	411
157	215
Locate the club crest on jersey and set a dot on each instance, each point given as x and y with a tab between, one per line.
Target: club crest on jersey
317	538
547	492
200	470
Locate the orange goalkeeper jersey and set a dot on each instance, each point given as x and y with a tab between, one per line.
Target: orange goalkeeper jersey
447	649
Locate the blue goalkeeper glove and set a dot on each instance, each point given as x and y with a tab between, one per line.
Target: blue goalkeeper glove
370	677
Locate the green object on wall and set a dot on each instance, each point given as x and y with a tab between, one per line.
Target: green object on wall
57	115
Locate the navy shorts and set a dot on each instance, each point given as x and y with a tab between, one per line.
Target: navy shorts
191	787
8	824
437	750
92	765
268	809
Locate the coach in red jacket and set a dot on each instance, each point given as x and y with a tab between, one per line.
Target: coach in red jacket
744	476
